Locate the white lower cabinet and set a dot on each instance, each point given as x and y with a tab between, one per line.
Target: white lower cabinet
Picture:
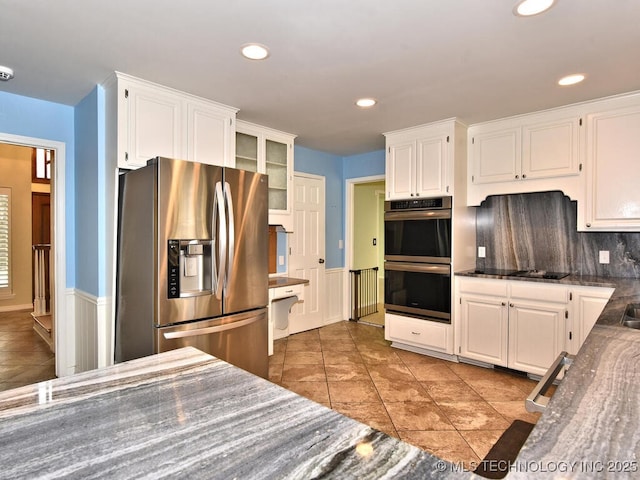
514	324
419	333
484	329
536	335
587	304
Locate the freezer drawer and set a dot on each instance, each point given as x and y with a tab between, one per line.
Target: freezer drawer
240	339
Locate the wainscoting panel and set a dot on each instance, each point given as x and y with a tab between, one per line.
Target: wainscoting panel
334	281
93	332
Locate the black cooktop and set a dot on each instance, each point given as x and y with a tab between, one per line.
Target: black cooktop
522	273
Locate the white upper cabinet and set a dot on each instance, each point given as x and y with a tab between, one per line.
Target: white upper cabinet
264	150
210	134
613	167
145	120
420	160
528	153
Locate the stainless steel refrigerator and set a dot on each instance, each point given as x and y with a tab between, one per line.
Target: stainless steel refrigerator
192	264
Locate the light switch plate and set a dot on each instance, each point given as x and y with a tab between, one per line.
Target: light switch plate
281	260
482	252
604	256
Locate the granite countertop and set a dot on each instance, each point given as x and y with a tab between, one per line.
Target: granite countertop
626	290
275	282
590	427
185	414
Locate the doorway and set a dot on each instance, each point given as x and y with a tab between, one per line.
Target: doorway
365	248
63	336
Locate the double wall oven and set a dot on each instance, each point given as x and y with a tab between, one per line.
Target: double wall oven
417	272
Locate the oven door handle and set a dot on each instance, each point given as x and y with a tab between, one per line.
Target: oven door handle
417	214
418	267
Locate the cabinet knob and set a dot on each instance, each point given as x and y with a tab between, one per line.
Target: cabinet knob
524	175
511	305
412	194
517	177
504	304
588	225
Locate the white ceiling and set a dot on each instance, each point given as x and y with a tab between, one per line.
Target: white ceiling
424	60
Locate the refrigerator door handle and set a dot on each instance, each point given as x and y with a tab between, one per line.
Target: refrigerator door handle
207	330
232	233
221	241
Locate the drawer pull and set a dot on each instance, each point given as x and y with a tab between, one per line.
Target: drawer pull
415	333
537	402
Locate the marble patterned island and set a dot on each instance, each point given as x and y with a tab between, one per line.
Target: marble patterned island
185	414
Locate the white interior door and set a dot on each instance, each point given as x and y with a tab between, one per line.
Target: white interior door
307	250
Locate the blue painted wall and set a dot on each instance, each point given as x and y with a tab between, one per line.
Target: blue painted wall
90	213
35	118
336	170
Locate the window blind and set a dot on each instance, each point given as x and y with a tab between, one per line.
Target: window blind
5	225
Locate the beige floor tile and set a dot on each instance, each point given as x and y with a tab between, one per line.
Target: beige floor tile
316	391
353	392
303	373
304	336
303	358
279	346
474	416
497	390
432	372
338	345
304	346
277	358
401	391
448	445
515	411
417	416
481	441
371	413
333	357
347	372
450	391
379	355
390	372
275	372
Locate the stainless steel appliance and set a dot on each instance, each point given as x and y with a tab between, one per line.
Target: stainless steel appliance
418	257
192	267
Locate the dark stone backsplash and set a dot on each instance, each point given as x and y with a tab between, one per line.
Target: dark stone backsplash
538	231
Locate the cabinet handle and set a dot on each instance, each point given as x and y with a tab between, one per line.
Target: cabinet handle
415	333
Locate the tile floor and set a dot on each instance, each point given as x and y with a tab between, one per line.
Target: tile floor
24	356
454	410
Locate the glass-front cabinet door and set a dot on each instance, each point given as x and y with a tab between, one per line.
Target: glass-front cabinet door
276	168
246	152
269	151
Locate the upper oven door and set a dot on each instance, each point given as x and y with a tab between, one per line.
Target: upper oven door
418	236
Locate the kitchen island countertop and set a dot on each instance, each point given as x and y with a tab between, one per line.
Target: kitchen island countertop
185	414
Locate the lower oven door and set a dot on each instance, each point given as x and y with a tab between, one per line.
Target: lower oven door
418	289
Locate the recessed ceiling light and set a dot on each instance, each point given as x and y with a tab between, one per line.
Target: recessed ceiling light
254	51
571	79
527	8
366	102
6	73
